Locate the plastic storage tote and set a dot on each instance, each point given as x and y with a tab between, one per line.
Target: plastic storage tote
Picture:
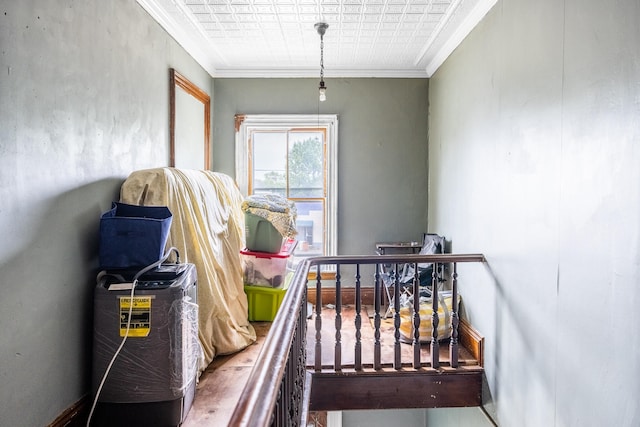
133	236
261	235
267	269
264	302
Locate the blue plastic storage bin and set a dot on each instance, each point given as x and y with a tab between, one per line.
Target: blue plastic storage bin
133	236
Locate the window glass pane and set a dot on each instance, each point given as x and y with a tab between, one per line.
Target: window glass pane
269	160
310	226
296	159
306	164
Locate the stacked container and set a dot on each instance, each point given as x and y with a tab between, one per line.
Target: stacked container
267	264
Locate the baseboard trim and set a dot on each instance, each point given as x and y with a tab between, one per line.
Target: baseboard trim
472	340
348	296
74	416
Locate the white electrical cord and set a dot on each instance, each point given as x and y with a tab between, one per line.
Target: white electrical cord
126	334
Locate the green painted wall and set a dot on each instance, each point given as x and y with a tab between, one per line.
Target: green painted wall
382	147
84	101
534	146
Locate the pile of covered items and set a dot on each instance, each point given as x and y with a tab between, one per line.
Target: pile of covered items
270	230
208	231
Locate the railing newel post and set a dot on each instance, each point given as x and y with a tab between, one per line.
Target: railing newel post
435	345
337	364
417	362
318	323
358	322
397	362
455	319
376	321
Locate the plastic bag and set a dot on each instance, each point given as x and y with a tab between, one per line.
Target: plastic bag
445	303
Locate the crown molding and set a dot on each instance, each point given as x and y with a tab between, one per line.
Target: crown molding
464	19
174	20
315	73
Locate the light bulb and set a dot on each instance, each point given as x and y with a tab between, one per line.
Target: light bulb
323	91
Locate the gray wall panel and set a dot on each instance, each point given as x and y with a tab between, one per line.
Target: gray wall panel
537	112
382	148
83	102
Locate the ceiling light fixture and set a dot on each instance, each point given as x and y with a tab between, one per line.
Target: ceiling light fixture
321	28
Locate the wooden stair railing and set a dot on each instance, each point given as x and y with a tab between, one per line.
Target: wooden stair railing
275	391
279	388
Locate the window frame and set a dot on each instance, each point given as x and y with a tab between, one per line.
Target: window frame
248	123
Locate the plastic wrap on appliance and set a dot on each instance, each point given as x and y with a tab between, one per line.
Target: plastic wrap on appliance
185	350
153	368
134	375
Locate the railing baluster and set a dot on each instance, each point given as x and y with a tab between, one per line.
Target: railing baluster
435	346
376	320
318	356
337	365
397	359
453	344
302	353
278	411
358	322
417	363
286	402
297	381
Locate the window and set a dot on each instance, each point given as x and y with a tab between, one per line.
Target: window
294	156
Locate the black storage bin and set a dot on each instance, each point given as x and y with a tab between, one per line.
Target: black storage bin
133	236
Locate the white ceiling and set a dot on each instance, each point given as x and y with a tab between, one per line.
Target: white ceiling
276	38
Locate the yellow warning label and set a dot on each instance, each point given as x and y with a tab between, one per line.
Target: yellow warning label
140	325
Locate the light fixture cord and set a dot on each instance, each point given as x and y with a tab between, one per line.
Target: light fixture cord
321	57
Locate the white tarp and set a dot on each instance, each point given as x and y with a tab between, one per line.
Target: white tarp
208	231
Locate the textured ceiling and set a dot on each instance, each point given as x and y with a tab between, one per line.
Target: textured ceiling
276	38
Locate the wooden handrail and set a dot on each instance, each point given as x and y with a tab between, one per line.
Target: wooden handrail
274	393
393	259
257	404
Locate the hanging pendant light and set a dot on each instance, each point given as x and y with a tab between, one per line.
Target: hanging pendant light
321	28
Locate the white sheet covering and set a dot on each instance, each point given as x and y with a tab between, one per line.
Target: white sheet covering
208	230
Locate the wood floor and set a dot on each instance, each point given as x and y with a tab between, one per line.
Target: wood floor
222	382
